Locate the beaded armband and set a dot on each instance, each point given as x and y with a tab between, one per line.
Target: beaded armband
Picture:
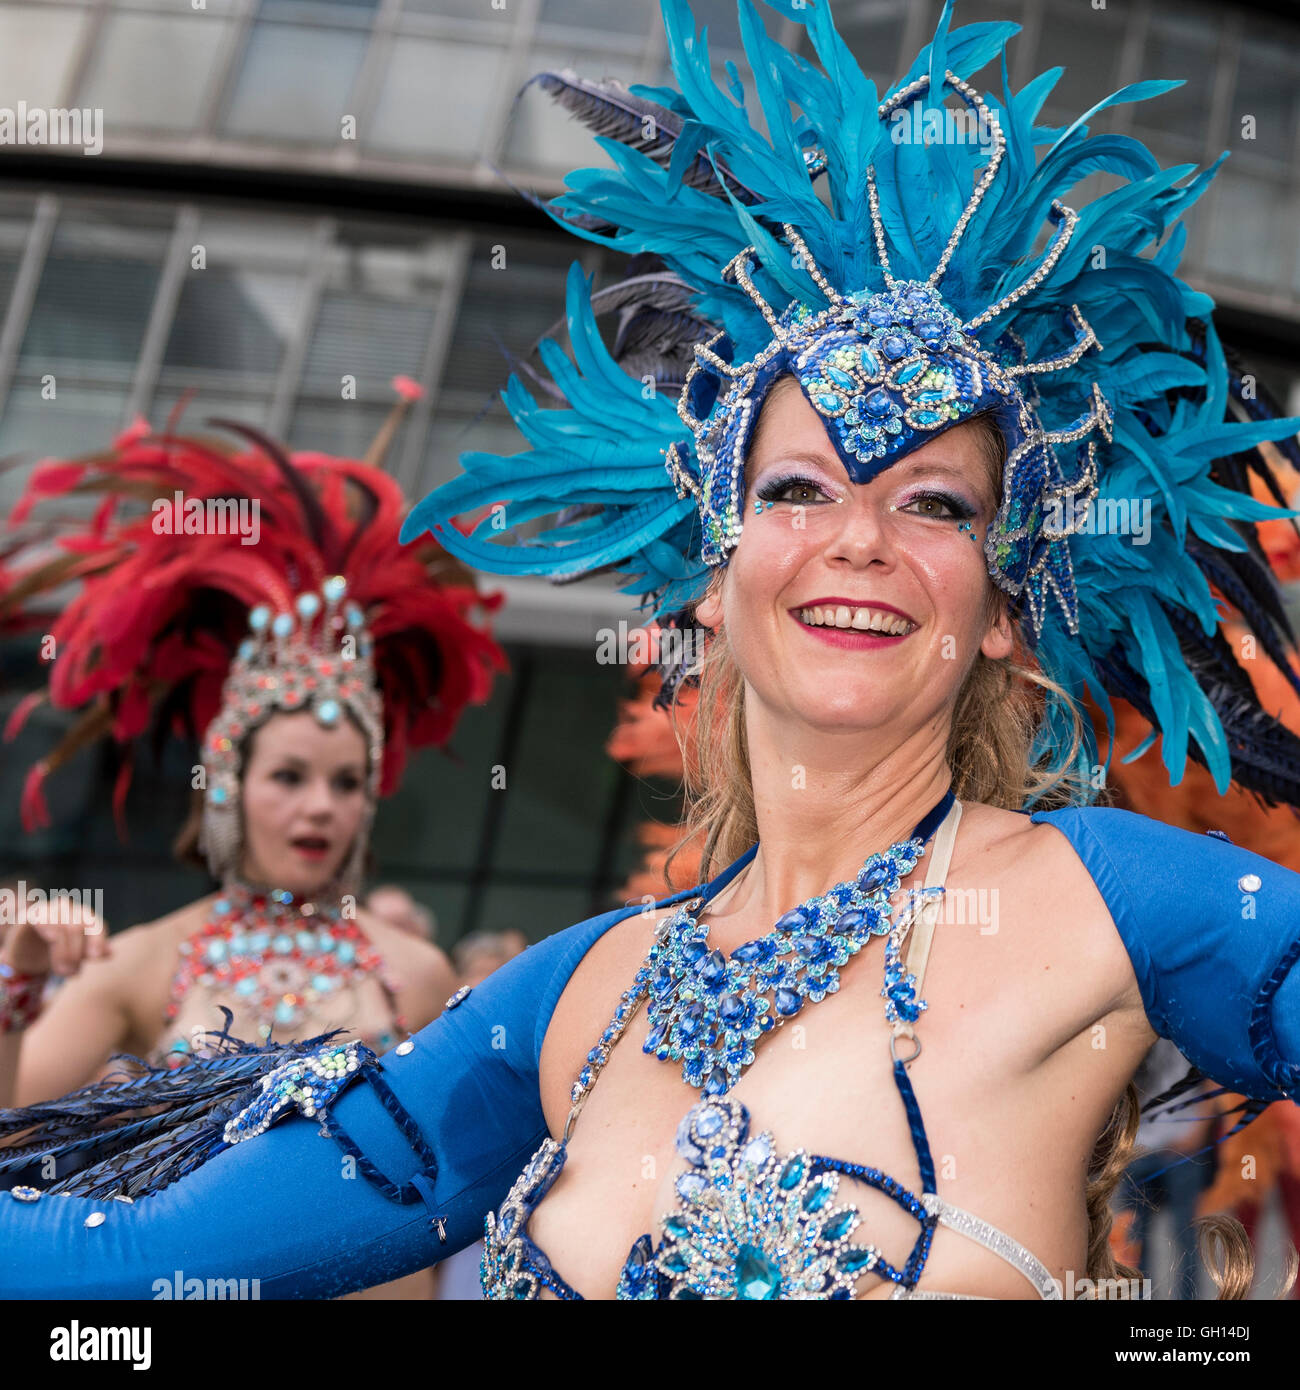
20	998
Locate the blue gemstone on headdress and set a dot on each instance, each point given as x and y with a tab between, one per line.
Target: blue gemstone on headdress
879	403
283	624
839	377
893	346
354	615
334	588
328	711
829	401
259	617
217	795
308	605
880	316
911	371
930	329
247	649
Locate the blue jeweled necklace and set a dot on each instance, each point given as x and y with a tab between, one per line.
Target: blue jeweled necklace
707	1010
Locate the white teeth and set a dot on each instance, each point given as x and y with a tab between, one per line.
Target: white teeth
859	619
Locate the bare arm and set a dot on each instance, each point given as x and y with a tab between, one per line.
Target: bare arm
85	1020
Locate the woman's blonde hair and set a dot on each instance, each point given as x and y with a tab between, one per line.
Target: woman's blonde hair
999	709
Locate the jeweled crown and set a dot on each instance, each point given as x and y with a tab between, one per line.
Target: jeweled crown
316	657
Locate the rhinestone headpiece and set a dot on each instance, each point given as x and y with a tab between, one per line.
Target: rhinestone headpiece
317	658
888	371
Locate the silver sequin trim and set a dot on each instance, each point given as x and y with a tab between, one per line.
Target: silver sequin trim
986	1234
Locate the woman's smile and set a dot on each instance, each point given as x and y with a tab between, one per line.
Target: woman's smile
843	622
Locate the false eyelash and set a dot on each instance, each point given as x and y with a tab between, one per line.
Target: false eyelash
772	489
960	508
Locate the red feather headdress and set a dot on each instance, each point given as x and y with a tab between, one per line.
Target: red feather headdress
157	618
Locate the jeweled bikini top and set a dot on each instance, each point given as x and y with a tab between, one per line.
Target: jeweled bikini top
288	967
751	1223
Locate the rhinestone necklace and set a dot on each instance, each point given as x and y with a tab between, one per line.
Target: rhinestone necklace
706	1010
277	955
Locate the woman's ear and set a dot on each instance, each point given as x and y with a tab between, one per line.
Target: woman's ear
999	643
708	611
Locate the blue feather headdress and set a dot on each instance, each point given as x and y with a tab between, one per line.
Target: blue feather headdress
916	296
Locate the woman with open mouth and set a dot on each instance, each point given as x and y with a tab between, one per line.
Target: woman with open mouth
888	397
307	717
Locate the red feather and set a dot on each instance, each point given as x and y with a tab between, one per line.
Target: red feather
158	612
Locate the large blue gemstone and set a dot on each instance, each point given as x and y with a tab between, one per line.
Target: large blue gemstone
794	920
817	1196
732	1008
837	1226
787	1002
893	346
713	968
791	1174
689	1023
874	877
709	1122
757	1278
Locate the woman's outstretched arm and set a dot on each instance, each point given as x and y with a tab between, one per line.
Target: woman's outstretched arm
1213	934
290	1207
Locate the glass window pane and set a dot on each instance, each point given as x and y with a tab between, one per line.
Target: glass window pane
250	407
38	46
505	309
419	115
1087	44
295	83
633	20
1242	244
1180	46
15	227
344	428
95	294
369	339
498	13
1266	98
79	419
153	71
233	320
562	783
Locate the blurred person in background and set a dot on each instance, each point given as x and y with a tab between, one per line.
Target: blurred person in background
398	907
353	651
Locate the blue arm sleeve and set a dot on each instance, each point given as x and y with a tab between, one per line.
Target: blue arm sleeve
288	1208
1213	932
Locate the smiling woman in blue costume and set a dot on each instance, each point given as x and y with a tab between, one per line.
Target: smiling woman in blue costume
877	488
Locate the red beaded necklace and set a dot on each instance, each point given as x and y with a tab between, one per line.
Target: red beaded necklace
277	956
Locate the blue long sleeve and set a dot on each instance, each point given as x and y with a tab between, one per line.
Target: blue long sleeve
1213	932
289	1208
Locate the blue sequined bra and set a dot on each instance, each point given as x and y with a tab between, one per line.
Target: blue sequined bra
750	1222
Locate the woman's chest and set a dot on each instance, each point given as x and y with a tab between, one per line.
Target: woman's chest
742	1174
286	986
